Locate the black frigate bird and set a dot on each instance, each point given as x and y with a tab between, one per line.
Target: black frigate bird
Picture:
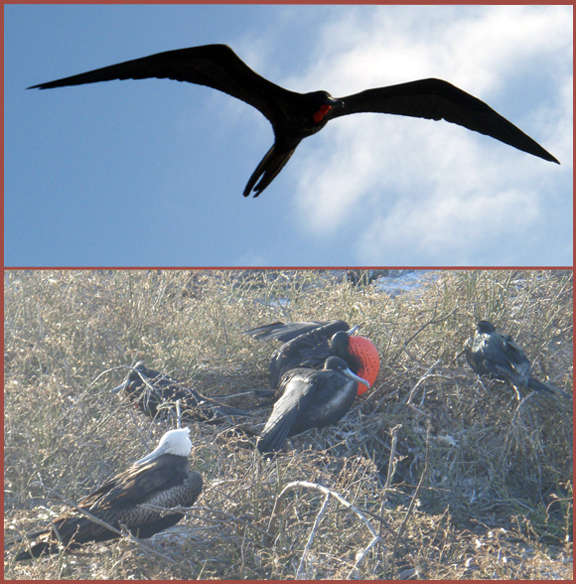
155	394
309	398
497	355
309	344
295	116
162	479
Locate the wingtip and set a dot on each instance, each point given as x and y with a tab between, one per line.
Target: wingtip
548	157
544	154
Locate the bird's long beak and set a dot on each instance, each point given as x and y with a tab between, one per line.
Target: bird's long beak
335	103
352	375
353	330
120	387
159	451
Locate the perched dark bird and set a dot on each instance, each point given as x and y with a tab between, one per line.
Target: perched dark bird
295	116
309	398
161	479
309	344
155	394
490	353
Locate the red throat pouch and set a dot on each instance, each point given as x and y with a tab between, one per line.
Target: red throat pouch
319	115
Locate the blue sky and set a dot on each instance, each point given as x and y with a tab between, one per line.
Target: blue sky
151	173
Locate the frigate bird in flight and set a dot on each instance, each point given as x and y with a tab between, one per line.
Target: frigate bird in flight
295	116
162	479
497	355
309	398
309	344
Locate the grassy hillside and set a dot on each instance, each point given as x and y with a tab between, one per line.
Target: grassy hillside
435	473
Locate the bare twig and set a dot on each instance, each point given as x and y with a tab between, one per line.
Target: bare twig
361	555
328	492
417	491
104	373
227	517
306	484
178	414
312	533
391	468
421	380
433	320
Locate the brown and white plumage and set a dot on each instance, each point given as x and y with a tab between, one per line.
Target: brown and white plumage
163	478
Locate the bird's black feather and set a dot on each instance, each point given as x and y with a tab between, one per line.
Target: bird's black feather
497	355
308	398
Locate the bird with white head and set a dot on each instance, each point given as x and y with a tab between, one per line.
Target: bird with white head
162	479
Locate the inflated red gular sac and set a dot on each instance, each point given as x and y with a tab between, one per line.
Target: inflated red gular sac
364	350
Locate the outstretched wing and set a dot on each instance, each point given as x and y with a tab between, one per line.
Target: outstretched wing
306	344
285	332
215	66
308	349
435	99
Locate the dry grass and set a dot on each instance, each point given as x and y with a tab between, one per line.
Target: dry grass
495	502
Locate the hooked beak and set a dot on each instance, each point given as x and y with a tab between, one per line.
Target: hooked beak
353	330
333	102
357	378
126	382
119	387
160	450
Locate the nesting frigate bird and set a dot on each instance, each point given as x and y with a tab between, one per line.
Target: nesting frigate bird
295	116
309	398
156	394
309	344
162	479
497	355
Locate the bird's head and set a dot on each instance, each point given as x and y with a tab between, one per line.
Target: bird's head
485	327
340	341
337	364
176	442
322	103
360	350
136	372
